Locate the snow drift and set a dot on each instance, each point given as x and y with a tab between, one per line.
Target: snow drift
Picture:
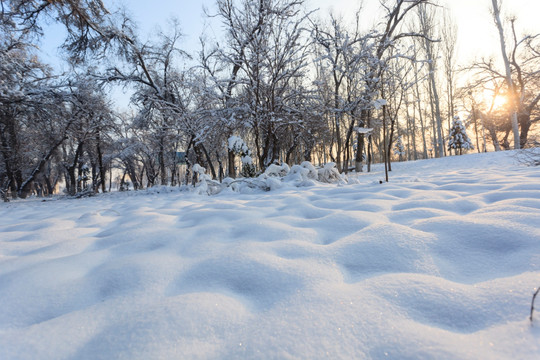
440	263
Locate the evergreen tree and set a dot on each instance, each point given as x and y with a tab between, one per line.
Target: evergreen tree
239	147
458	138
399	148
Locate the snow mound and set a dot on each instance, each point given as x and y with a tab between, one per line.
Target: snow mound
439	263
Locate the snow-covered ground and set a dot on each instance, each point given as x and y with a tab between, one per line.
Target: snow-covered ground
439	263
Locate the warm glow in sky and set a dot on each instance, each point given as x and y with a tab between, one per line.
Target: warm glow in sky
498	102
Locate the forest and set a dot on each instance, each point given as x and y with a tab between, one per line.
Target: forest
284	84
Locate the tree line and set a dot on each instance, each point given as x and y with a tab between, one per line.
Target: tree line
287	84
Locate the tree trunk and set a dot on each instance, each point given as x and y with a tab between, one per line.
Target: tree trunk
24	189
390	143
173	174
220	167
364	115
13	146
161	159
439	141
130	168
508	70
525	124
369	152
412	129
291	151
209	163
385	153
6	154
231	164
476	130
338	137
494	138
72	180
420	117
102	173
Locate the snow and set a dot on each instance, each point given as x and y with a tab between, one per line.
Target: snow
246	160
362	130
439	263
199	169
379	103
238	145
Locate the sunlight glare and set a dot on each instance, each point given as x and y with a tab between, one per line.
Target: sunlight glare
498	101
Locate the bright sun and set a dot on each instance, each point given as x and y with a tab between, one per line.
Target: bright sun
499	101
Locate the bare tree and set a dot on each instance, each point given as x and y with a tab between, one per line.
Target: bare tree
340	57
523	94
243	24
426	18
161	92
262	65
449	40
92	123
528	81
387	39
84	20
508	72
32	121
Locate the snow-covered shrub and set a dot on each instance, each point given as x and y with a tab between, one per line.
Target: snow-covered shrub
250	185
231	184
272	183
330	174
227	181
205	184
200	171
298	172
299	176
313	174
277	170
275	177
302	175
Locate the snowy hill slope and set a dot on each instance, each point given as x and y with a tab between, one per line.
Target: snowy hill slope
440	263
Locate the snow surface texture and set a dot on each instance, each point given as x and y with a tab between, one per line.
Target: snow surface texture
440	263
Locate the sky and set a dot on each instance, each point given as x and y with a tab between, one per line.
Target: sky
477	35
